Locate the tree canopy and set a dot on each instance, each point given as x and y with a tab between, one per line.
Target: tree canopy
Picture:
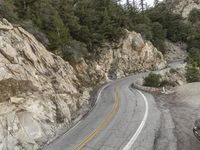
61	24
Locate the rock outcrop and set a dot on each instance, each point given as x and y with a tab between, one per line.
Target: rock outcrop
131	55
40	93
183	7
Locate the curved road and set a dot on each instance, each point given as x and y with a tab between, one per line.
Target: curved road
123	119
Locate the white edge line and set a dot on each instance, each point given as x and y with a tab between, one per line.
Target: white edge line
99	94
137	133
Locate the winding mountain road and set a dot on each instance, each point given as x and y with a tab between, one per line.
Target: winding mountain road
123	119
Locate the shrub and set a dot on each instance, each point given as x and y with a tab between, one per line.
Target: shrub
74	51
194	15
152	80
165	83
145	31
192	74
159	35
194	56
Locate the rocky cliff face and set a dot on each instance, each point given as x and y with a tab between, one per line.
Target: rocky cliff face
183	7
40	93
131	55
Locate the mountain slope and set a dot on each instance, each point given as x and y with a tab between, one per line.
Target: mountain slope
41	93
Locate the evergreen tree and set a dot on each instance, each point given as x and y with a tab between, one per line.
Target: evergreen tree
94	22
156	2
142	5
134	4
7	10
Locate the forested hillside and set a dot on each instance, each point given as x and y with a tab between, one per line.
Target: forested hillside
75	28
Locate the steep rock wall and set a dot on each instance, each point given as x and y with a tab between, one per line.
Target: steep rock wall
38	91
131	55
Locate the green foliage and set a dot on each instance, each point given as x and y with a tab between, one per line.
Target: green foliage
7	10
142	19
159	36
193	71
194	16
102	20
176	29
145	31
91	22
165	83
194	57
194	41
155	80
74	51
94	22
192	74
152	80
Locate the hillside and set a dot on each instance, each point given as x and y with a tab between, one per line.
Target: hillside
41	93
53	54
76	29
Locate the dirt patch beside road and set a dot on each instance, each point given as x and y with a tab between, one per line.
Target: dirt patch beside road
183	107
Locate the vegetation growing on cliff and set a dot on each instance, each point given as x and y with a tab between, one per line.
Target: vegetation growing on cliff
63	24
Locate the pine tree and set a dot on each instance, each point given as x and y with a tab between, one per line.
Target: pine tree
156	2
147	7
142	5
128	5
134	4
7	10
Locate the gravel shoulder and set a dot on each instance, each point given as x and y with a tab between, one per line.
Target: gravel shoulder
179	112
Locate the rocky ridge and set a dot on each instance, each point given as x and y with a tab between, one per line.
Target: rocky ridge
131	55
183	7
40	93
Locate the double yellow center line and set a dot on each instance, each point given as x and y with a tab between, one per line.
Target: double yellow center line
105	122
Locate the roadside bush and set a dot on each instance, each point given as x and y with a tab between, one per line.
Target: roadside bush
195	41
192	74
194	56
165	83
194	15
152	80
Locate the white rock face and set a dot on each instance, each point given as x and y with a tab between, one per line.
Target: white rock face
183	7
132	54
40	93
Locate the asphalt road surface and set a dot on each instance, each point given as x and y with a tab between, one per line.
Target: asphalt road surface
122	119
127	119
